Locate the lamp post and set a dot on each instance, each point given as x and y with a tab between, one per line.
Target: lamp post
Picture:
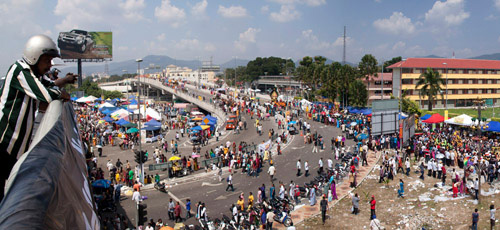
126	82
381	82
139	103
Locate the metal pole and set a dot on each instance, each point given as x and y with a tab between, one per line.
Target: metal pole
382	82
139	103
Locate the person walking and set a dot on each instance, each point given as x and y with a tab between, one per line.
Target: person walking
270	219
407	165
171	208
492	216
230	182
298	167
188	209
271	172
320	163
312	196
177	212
324	207
373	202
355	204
475	219
401	190
306	168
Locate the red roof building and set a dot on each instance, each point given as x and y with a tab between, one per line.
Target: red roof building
465	80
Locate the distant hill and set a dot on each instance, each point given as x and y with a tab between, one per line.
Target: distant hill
495	56
234	63
431	56
131	65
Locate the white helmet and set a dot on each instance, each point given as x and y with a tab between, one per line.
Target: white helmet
37	46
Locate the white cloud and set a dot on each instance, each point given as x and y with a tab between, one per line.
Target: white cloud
448	13
264	9
312	42
491	17
209	47
92	13
497	4
397	23
311	3
232	11
340	41
188	44
170	14
399	45
314	2
246	38
199	8
132	9
287	13
161	37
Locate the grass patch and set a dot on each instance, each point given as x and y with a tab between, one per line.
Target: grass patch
488	112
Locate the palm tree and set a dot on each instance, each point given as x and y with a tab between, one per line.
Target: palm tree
430	82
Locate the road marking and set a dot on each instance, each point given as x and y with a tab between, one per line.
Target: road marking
177	199
211	191
210	184
299	147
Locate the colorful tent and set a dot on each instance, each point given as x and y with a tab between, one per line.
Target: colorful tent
152	122
122	122
425	117
107	104
436	118
121	113
107	119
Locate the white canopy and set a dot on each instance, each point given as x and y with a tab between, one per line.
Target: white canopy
464	120
121	113
149	112
86	99
107	104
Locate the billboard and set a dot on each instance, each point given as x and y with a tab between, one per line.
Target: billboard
81	44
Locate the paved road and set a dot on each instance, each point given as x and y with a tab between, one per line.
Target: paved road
206	188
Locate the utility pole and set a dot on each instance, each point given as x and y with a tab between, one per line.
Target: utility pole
479	102
139	103
343	56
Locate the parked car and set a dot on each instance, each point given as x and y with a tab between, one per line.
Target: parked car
78	40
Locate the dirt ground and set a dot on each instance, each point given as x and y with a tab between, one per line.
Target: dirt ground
424	206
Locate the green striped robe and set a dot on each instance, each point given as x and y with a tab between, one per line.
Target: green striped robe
17	106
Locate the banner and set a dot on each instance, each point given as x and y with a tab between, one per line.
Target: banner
80	44
48	187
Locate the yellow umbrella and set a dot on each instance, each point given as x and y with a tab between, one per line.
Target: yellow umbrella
174	158
205	126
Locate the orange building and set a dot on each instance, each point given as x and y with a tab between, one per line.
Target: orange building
465	79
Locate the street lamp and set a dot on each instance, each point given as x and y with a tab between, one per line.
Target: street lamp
139	103
446	101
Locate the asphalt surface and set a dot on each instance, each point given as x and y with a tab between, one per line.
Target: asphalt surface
205	187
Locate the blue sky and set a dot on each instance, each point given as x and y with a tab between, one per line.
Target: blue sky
223	29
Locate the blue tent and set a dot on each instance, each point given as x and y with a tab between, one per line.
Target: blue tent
108	119
354	110
151	128
122	122
131	96
74	98
493	126
197	128
366	111
107	111
133	102
425	117
402	117
152	122
211	118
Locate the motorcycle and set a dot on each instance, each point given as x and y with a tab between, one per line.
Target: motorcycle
282	218
161	187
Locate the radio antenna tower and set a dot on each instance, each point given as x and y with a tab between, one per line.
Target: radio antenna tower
343	56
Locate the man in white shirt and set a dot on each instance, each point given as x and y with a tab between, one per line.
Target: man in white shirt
271	172
320	163
306	168
330	164
298	167
136	196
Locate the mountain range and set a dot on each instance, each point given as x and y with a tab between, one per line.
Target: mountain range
130	66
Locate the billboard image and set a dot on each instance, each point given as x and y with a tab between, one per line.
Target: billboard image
80	44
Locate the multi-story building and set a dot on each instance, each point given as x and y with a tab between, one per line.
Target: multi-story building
375	88
185	73
465	80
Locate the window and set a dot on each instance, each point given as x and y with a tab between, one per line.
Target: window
455	91
494	91
455	81
407	70
450	82
494	81
474	81
465	91
407	81
466	71
474	91
460	81
484	91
